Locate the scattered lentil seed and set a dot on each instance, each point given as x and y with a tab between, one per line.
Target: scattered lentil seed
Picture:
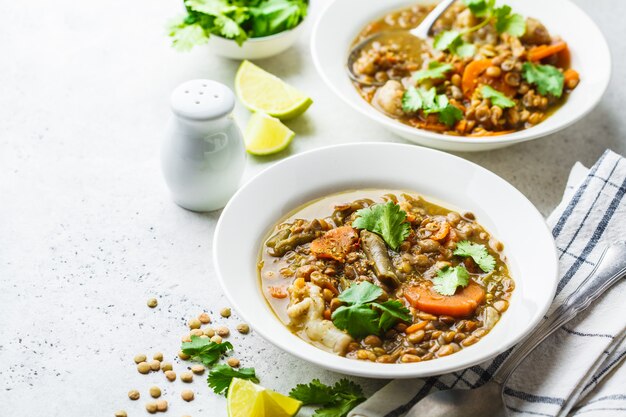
161	405
143	367
166	366
183	355
196	332
197	369
158	356
204	318
209	332
233	362
222	331
194	323
187	395
121	413
186	377
186	338
133	394
170	375
152	302
225	312
151	407
155	392
140	358
243	328
216	339
155	365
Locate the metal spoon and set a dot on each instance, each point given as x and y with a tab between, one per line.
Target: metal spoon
488	400
411	40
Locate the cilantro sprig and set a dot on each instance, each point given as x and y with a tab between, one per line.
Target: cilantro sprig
547	78
496	97
434	71
478	253
205	351
221	376
335	401
449	278
361	315
502	18
415	99
386	220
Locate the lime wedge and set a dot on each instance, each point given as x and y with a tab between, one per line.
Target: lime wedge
261	91
247	399
266	135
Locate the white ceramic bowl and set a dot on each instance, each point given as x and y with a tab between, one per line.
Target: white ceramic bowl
255	48
333	34
455	182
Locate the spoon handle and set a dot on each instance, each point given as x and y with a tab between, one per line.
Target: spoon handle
423	29
611	267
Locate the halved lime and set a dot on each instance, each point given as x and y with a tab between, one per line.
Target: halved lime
266	135
261	91
247	399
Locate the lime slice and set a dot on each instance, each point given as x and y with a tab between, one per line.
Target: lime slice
247	399
261	91
266	135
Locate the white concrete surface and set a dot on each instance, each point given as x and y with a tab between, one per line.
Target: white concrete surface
87	230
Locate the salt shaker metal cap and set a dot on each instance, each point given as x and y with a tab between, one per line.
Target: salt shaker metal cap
203	154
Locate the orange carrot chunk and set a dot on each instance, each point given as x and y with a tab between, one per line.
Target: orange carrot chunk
471	74
540	52
571	76
277	292
335	244
463	303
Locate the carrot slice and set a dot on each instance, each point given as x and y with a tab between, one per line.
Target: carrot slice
416	327
443	231
335	244
571	75
277	292
540	52
461	304
472	72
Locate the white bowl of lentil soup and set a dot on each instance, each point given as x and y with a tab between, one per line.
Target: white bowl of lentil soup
489	76
400	270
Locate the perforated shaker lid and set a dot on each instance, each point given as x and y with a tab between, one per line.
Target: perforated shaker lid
202	100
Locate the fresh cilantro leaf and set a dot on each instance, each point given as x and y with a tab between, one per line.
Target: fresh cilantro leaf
496	97
205	351
221	376
435	70
448	279
450	114
184	37
480	8
358	320
547	78
337	401
313	393
273	16
361	293
464	50
412	100
452	41
415	99
386	220
392	312
478	253
506	22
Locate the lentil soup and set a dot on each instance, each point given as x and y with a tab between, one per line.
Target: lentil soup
482	73
384	276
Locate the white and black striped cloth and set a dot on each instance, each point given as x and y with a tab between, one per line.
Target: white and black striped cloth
576	371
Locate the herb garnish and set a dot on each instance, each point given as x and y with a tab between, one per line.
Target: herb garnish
429	102
503	20
386	220
547	78
449	278
205	351
361	316
478	253
336	401
221	376
435	70
496	97
235	20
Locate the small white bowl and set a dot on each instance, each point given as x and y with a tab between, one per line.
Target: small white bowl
255	48
333	34
439	176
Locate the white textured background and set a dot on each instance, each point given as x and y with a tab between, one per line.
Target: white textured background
87	230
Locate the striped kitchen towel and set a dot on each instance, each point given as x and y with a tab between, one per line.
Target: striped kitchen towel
579	369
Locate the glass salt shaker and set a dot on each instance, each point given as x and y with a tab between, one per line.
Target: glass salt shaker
203	154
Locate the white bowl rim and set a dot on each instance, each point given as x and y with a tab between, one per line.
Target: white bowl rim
509	138
378	370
